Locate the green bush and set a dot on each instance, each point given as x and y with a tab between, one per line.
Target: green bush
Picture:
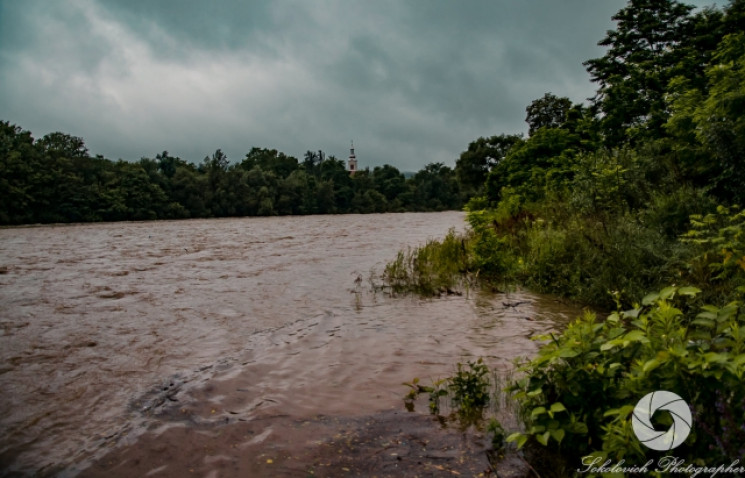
576	397
718	243
470	390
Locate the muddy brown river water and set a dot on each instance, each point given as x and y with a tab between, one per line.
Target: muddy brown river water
125	335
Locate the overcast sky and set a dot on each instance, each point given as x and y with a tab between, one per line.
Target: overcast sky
410	81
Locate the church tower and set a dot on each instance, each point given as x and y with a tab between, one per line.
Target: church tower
352	161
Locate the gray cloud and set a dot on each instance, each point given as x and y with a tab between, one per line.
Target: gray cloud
411	82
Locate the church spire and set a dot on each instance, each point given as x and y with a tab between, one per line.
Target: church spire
352	160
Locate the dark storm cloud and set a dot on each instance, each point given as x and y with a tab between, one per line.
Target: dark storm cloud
410	81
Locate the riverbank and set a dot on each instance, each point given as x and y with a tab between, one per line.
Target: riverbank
393	443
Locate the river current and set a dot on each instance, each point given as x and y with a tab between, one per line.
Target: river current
107	328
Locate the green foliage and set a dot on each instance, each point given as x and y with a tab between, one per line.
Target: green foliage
483	154
437	390
535	166
643	53
604	225
550	111
718	240
497	432
493	255
708	121
437	267
55	180
470	388
578	393
470	391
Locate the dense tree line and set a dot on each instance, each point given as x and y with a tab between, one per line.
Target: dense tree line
55	179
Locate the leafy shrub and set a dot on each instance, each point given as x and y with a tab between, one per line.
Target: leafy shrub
718	240
578	394
469	389
493	255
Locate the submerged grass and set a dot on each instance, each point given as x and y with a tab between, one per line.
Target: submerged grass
438	267
473	396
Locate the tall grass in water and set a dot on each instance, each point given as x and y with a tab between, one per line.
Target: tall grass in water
437	267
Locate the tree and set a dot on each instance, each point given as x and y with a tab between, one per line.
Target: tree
436	188
18	160
633	75
189	189
550	111
62	145
474	164
270	160
218	162
388	181
167	164
312	161
711	125
542	161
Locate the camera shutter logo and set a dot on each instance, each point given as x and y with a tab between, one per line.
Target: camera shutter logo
664	440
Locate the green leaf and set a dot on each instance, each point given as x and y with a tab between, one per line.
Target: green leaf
568	353
579	428
650	299
558	407
537	411
668	293
615	332
610	344
632	313
650	365
690	291
520	438
703	322
558	434
636	336
712	357
535	392
543	439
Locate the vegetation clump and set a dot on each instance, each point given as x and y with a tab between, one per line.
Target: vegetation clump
577	396
472	390
437	267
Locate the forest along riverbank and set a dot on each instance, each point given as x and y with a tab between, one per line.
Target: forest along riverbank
121	336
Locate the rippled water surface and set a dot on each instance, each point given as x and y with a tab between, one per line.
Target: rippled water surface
105	326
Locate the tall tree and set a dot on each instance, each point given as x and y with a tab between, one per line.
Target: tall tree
474	164
550	111
270	160
18	162
633	75
712	125
63	145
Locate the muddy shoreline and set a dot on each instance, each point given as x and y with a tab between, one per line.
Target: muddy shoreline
386	444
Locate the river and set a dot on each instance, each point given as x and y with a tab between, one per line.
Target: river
109	332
